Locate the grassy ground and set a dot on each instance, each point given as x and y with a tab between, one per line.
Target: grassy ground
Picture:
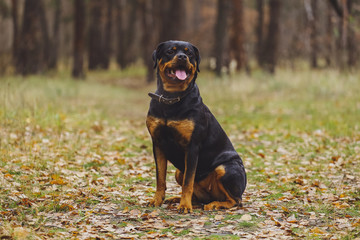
76	161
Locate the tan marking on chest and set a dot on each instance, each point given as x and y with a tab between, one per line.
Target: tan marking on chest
184	127
152	123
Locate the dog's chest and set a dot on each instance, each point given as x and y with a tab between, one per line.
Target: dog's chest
177	131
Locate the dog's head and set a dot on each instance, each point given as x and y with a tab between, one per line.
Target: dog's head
177	64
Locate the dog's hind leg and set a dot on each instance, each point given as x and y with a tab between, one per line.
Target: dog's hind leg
228	188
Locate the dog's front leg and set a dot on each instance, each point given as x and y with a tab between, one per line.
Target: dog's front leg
191	160
161	166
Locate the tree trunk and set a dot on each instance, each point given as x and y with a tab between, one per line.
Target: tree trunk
173	23
14	10
130	32
311	12
147	37
352	45
347	43
95	50
259	31
336	7
53	51
237	40
329	36
352	48
108	35
272	39
126	34
30	53
158	19
79	39
220	34
120	54
197	17
45	35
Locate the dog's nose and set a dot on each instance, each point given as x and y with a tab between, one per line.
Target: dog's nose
182	57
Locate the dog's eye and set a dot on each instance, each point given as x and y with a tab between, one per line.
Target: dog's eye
170	52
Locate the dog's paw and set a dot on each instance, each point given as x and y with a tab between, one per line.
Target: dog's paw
172	200
185	207
213	206
209	207
216	205
155	202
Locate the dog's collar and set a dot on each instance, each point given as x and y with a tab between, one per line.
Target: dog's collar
167	101
161	99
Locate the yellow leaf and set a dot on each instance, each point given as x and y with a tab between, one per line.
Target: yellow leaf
285	209
8	175
57	180
317	230
356	223
20	233
121	161
66	207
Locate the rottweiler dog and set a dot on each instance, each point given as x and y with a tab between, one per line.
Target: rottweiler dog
186	133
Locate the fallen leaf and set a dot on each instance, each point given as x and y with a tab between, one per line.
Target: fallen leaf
56	179
154	214
246	217
21	233
135	213
292	219
219	217
285	209
317	230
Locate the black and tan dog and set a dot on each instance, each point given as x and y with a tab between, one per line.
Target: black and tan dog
185	132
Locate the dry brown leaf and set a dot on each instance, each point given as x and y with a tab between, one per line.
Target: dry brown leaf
135	213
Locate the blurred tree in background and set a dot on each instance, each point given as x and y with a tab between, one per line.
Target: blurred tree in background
233	35
79	39
30	58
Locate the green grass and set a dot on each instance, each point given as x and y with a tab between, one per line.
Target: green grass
245	224
290	101
80	150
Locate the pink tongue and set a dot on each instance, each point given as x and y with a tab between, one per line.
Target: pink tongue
180	74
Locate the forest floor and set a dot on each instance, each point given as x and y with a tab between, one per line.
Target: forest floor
76	159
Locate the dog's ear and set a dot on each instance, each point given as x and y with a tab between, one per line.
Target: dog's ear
156	54
154	58
198	58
